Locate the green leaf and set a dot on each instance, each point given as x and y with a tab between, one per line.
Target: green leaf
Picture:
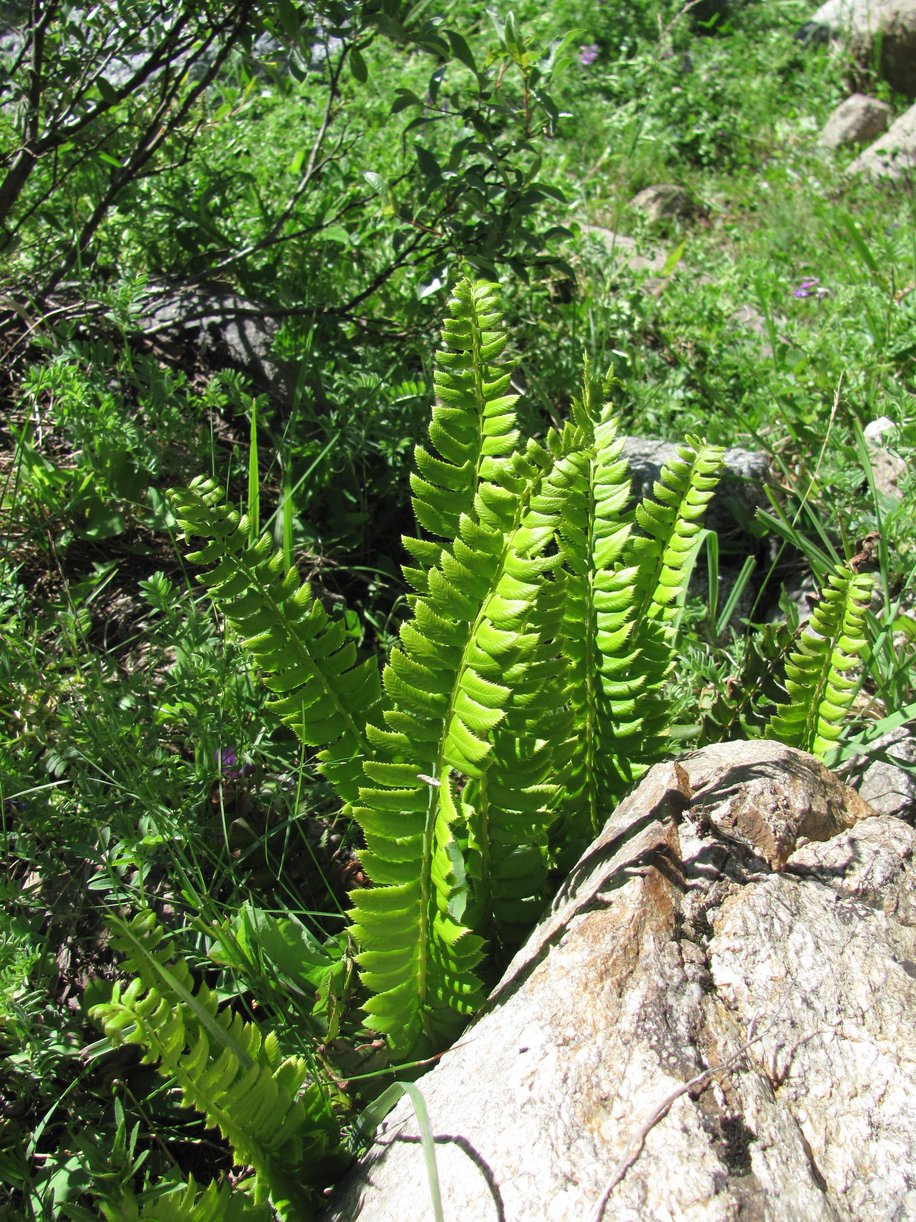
358	66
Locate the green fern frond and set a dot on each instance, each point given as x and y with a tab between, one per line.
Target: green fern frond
445	698
448	688
216	1203
224	1067
659	561
473	426
510	810
600	601
821	673
321	690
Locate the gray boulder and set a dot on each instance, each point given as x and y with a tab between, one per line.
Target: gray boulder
857	120
224	326
713	1021
873	28
893	156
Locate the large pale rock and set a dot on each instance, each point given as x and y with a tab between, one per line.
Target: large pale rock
894	155
857	120
713	1022
872	28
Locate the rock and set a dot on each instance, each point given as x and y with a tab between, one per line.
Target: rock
741	489
663	202
225	326
857	120
894	154
624	250
887	468
875	27
712	1022
886	777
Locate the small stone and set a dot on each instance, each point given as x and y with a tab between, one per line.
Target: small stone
663	202
625	251
887	468
858	120
888	775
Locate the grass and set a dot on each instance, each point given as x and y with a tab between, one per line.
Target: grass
137	764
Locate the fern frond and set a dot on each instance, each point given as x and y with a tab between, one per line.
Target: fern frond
320	688
659	561
510	810
215	1203
447	691
820	672
473	426
224	1067
600	605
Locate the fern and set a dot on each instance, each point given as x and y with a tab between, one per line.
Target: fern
526	691
472	429
224	1068
598	613
429	854
661	559
821	673
322	692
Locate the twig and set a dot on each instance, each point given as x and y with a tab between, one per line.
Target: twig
635	1147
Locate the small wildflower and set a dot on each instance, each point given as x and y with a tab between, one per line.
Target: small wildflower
589	53
809	288
227	759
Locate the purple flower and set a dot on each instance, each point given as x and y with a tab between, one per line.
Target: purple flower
589	53
808	288
227	759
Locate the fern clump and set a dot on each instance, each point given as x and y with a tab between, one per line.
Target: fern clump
528	687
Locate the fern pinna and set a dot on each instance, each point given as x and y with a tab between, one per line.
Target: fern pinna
225	1069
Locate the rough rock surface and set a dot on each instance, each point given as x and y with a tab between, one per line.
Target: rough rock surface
886	779
894	154
857	120
869	25
713	1022
663	202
